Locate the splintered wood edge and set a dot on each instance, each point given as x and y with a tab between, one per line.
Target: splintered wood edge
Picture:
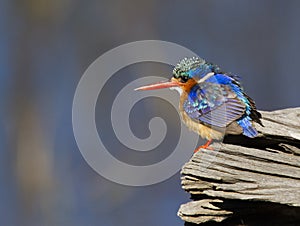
243	173
202	211
236	173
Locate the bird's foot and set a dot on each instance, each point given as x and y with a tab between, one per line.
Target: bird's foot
205	146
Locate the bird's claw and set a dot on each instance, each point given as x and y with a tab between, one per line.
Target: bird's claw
205	146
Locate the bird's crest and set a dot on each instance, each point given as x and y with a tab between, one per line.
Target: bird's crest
194	67
188	64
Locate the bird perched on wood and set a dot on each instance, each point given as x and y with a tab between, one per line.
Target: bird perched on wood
212	102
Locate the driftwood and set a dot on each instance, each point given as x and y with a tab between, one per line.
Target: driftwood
247	181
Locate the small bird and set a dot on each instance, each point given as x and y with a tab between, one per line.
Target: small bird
212	102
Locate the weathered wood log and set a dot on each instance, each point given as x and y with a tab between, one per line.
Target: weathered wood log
248	181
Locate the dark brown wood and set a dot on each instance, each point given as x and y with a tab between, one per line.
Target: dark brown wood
247	181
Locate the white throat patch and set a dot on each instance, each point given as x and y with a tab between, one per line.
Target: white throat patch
178	89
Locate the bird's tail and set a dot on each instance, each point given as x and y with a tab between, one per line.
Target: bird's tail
248	129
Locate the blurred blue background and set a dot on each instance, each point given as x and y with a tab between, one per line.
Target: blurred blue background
45	48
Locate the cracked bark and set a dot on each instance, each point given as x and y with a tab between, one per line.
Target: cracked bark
248	181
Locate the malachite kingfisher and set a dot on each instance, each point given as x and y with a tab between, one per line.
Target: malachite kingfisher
212	102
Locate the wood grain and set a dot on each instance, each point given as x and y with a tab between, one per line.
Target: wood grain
241	175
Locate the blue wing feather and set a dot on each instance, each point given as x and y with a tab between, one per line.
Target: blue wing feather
219	101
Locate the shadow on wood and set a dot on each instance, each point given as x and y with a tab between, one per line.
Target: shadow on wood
248	181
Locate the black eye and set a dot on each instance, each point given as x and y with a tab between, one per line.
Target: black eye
183	78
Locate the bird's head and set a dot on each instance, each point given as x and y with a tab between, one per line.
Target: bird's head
185	75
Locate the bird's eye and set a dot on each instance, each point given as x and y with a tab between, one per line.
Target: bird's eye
183	78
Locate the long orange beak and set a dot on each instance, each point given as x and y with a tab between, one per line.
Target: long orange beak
159	85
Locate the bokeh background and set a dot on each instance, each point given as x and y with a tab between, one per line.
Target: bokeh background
45	47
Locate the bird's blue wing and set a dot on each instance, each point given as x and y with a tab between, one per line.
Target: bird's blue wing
215	102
